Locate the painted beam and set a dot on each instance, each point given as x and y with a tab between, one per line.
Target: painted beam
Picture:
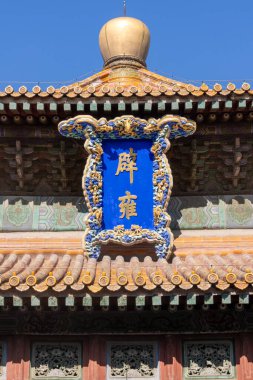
161	105
202	105
215	105
174	300
26	106
188	105
148	106
80	106
175	105
122	301
40	107
107	106
67	107
104	301
121	105
226	299
12	106
35	301
244	299
135	106
228	104
191	299
242	103
17	301
208	299
157	301
70	300
53	107
93	106
140	301
52	301
87	301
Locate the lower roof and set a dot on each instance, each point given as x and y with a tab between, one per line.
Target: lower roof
201	261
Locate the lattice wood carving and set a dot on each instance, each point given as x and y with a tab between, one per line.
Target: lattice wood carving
209	360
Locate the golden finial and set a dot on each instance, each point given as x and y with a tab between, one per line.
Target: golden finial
124	41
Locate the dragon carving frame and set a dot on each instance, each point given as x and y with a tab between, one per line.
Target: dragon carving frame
159	131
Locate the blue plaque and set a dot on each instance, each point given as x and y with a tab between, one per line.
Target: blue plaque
127	172
127	179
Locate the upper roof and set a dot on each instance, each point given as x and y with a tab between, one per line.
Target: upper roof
126	82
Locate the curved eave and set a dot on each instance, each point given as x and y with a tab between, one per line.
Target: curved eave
213	265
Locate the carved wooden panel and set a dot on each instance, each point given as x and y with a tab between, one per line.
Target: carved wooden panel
56	361
132	360
209	360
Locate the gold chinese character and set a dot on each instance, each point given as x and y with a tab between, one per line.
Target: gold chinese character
127	163
127	205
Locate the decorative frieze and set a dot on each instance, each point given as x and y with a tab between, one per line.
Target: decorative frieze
80	322
132	360
68	213
42	213
208	359
56	361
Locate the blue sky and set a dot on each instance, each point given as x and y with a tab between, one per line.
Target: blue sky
57	40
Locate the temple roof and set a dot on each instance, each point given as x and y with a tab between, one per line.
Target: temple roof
202	261
127	82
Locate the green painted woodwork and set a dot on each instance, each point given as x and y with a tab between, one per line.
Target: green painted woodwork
140	301
67	213
2	301
215	105
87	301
148	106
40	106
161	105
17	301
26	106
202	105
122	301
80	106
174	299
107	106
93	106
135	106
52	301
121	105
175	106
156	300
244	299
188	105
242	103
1	106
226	299
67	107
208	299
191	299
104	301
35	301
12	106
53	106
228	104
70	300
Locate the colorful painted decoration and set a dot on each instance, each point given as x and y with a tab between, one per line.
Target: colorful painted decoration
127	179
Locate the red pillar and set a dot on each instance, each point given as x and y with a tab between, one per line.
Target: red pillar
18	358
244	356
171	358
